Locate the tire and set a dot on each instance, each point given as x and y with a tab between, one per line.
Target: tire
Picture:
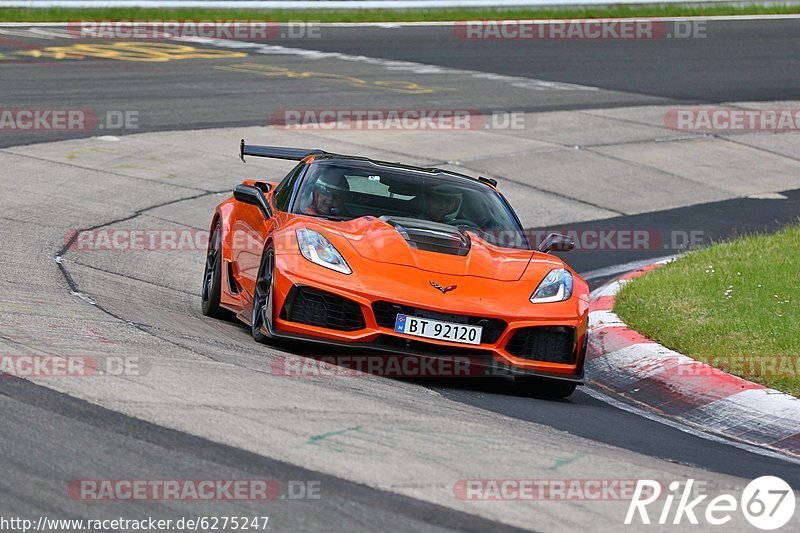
262	297
212	277
543	387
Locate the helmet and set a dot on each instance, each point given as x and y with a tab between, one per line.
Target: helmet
447	191
332	183
329	193
448	198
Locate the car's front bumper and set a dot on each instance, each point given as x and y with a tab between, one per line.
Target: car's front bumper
294	271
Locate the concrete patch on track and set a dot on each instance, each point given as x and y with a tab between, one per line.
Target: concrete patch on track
209	378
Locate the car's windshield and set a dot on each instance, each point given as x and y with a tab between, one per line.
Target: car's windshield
354	189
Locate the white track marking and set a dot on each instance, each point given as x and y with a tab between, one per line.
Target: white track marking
625	267
772	412
399	66
686	429
777	412
432	23
643	360
393	65
604	319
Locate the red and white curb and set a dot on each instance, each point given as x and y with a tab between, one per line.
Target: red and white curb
624	363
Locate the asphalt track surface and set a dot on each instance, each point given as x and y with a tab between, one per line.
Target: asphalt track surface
49	438
735	61
728	64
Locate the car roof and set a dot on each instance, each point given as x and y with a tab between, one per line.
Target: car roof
307	155
328	157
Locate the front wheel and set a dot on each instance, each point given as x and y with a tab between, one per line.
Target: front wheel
212	277
544	387
261	314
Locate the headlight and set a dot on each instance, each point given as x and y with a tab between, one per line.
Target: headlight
555	287
317	249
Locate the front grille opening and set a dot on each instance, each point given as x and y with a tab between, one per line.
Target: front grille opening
552	344
428	348
386	313
315	307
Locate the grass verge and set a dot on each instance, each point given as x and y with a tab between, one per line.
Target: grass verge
733	305
385	15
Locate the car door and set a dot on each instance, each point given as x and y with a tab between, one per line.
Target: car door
251	230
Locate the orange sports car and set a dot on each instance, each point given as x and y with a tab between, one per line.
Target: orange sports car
367	254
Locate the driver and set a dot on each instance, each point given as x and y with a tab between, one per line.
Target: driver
328	195
442	204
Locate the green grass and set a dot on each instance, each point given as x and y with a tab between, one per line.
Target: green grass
376	15
734	305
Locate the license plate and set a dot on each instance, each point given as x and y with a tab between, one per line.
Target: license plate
436	329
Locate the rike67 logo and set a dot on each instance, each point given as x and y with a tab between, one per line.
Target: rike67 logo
767	503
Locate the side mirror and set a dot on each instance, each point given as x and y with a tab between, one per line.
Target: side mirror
556	242
249	194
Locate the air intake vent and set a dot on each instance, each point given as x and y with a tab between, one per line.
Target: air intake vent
431	236
315	307
553	344
231	279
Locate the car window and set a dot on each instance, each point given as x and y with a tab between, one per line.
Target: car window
348	190
283	193
371	184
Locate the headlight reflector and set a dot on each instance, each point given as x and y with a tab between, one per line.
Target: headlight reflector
317	249
555	287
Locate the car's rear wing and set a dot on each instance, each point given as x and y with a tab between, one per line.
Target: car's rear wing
276	152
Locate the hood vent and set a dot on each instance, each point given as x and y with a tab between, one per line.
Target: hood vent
431	236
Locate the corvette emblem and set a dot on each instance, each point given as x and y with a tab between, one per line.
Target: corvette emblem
444	290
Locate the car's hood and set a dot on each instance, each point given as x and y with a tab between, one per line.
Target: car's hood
385	242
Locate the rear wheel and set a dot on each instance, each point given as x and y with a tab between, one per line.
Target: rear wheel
212	277
261	314
547	388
